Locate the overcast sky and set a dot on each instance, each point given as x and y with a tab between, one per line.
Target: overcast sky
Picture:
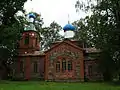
55	10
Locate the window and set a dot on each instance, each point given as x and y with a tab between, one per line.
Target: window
35	67
90	70
58	66
26	40
36	41
21	66
69	65
63	65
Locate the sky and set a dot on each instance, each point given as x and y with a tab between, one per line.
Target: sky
55	10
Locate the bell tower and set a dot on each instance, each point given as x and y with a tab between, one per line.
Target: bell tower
30	38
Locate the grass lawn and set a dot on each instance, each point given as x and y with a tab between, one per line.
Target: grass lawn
38	85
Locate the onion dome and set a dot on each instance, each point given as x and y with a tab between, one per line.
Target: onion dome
31	18
68	27
32	15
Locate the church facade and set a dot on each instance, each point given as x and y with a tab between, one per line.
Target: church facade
65	60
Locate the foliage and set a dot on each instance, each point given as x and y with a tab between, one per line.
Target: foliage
104	28
82	32
49	35
10	29
8	8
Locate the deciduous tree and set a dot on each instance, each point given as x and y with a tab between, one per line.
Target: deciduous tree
104	27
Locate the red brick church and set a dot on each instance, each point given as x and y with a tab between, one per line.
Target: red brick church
65	60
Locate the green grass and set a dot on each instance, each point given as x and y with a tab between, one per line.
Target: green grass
38	85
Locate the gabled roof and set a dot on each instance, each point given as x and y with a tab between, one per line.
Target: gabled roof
67	42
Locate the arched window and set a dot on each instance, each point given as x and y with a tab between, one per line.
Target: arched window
69	65
63	65
58	66
37	39
26	41
35	67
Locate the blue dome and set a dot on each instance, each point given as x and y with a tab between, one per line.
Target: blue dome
31	15
68	27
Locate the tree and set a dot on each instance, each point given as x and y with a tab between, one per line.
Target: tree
10	30
49	35
104	27
82	32
8	8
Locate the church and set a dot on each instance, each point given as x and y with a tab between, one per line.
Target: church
66	60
